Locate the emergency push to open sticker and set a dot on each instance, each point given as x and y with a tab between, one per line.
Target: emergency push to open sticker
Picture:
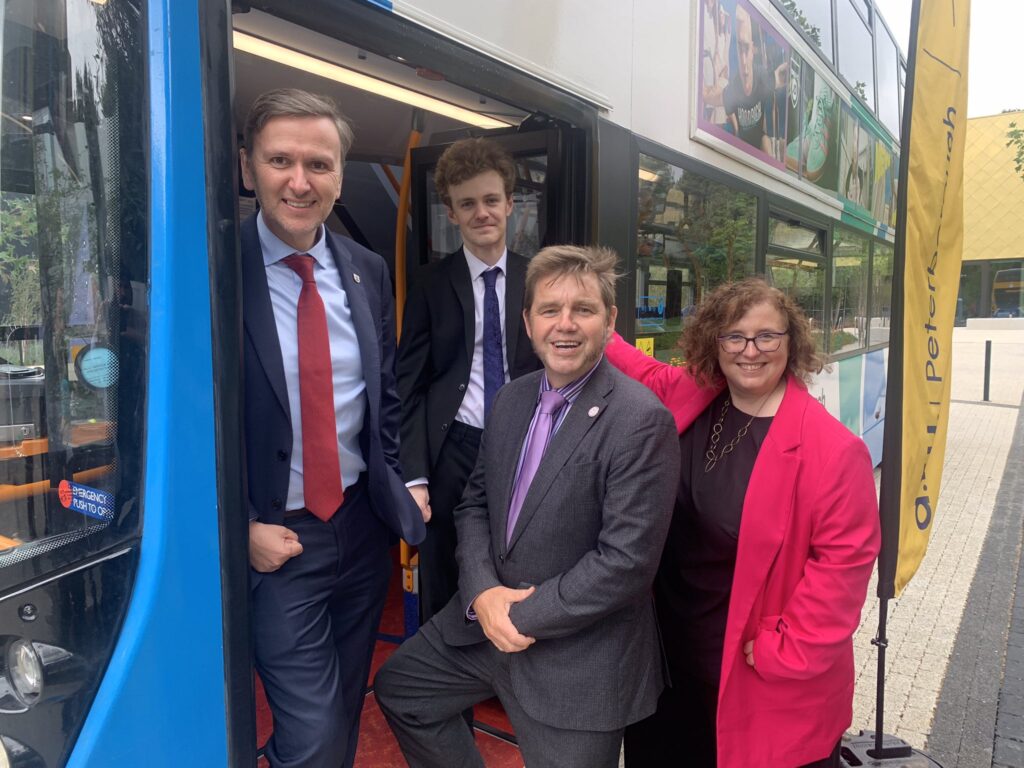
89	501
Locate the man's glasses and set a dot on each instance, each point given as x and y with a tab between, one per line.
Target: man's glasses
735	343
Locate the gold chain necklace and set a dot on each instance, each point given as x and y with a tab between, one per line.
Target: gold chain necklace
716	435
716	432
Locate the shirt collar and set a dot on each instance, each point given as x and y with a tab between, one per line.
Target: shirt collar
571	390
478	267
275	249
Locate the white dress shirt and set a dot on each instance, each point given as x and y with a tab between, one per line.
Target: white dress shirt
349	385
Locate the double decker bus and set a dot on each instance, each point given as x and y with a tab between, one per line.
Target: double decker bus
704	140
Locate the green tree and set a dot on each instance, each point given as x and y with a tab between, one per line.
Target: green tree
19	268
1015	141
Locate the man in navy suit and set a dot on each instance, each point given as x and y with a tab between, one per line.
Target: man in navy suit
326	499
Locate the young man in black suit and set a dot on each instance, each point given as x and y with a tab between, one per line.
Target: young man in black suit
462	338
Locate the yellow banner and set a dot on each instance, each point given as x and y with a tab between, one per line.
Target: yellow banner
934	238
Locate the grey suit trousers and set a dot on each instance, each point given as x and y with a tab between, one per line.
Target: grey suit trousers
426	684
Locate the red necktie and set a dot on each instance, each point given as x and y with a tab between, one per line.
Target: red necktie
321	473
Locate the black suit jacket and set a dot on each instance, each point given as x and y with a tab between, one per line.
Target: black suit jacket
435	355
268	425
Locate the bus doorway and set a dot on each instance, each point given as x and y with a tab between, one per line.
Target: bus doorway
404	113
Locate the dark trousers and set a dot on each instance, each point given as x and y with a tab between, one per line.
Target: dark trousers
426	684
315	622
439	573
682	730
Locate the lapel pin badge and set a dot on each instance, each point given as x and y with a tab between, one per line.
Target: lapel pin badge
593	411
355	277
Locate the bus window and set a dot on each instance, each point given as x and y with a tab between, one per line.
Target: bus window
693	234
73	339
796	266
849	291
1008	293
881	293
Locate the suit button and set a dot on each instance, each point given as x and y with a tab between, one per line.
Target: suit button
462	387
444	427
282	455
276	504
501	558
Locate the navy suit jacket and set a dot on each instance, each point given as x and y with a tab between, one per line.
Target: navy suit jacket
268	425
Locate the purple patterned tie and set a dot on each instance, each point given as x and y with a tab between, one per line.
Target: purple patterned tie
536	443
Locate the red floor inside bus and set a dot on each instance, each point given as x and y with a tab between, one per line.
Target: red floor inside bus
377	747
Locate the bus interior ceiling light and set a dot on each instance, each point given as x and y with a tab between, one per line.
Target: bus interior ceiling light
306	63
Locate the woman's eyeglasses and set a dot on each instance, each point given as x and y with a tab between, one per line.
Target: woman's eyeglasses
735	343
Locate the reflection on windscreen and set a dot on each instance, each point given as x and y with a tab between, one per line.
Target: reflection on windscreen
73	278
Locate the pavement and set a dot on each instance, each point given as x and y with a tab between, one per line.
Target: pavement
955	661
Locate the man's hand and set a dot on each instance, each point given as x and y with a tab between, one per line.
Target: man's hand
421	495
491	608
271	546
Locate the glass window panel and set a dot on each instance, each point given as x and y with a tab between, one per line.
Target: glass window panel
692	235
795	236
1008	289
888	81
73	279
881	293
856	62
849	291
815	18
803	280
864	8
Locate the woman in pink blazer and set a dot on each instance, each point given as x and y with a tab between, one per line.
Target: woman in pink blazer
773	540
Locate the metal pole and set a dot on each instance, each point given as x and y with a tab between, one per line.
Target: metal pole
881	642
988	367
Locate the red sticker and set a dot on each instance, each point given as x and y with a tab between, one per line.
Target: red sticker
64	493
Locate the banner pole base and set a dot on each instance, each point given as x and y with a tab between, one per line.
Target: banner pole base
860	750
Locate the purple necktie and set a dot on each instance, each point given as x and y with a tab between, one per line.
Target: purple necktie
536	443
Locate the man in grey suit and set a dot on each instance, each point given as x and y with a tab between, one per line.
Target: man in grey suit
560	531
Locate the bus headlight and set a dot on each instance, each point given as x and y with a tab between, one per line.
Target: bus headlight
25	669
5	759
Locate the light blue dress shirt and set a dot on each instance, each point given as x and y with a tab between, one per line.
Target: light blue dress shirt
349	385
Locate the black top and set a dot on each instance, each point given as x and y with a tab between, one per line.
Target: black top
695	577
750	109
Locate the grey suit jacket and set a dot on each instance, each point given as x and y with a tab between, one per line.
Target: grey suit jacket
589	537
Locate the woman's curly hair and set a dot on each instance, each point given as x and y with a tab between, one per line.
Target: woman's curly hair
723	307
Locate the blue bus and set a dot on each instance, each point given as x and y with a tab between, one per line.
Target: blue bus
124	624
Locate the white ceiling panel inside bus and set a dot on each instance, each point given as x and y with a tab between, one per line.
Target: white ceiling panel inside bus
381	124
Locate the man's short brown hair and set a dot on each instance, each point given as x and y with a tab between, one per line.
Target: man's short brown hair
293	102
556	261
468	158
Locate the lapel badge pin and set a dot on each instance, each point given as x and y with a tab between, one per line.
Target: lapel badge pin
593	411
355	277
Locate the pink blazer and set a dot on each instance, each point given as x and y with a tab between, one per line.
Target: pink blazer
808	541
